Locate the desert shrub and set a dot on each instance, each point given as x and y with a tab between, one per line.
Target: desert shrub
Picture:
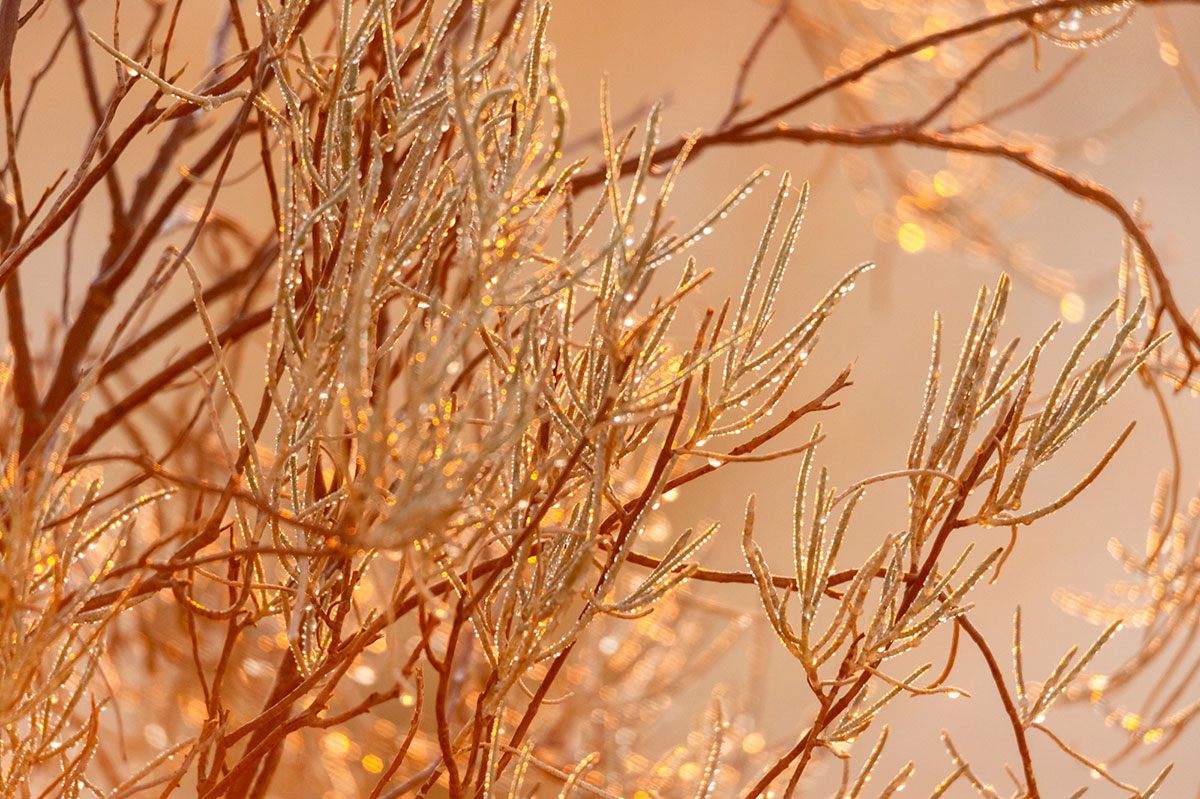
360	494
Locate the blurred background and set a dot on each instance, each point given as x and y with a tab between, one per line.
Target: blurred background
1125	113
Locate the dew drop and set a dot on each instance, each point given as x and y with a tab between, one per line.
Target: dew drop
1072	22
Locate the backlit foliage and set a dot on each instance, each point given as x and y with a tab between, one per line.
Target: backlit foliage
364	497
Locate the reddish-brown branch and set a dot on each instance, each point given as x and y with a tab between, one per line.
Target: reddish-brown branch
228	283
235	330
817	403
1010	709
972	473
763	127
440	708
414	725
101	292
746	578
969	78
9	18
738	101
81	185
1024	101
1080	187
775	114
830	710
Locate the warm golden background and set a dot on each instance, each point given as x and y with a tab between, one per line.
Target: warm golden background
1125	115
